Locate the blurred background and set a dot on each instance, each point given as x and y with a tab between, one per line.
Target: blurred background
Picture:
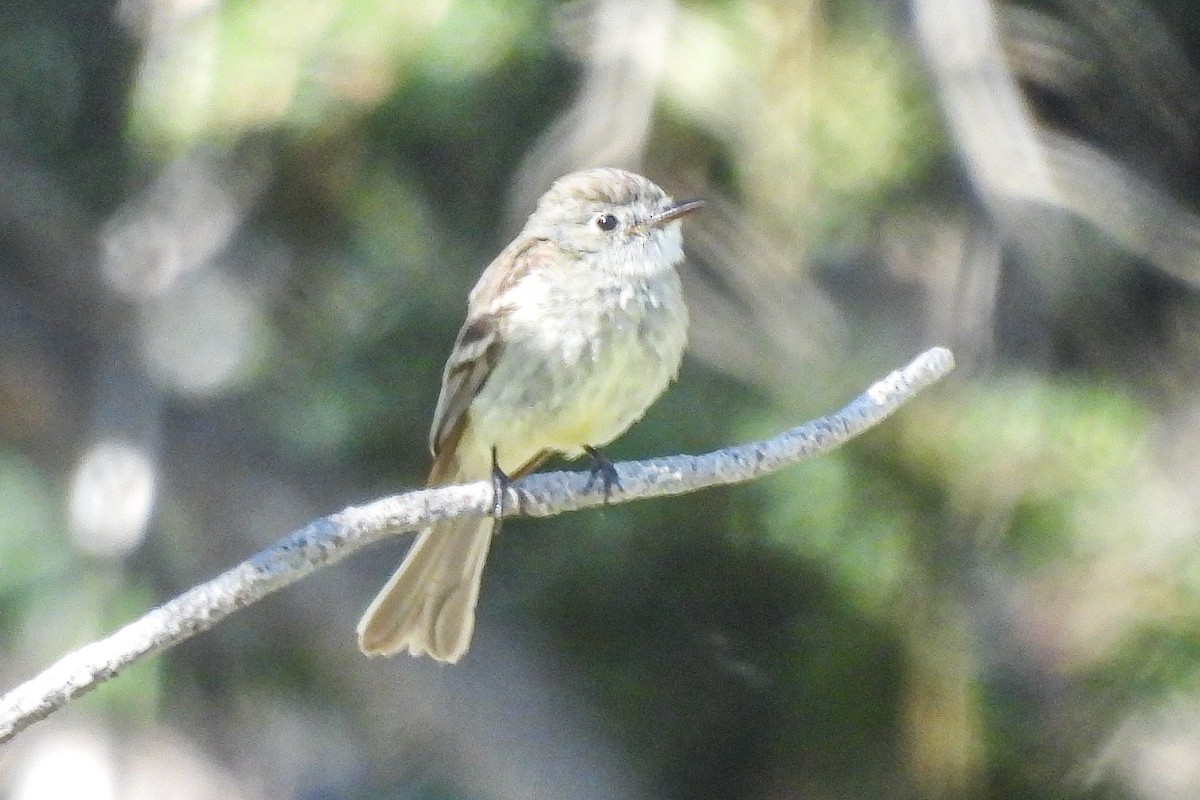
236	240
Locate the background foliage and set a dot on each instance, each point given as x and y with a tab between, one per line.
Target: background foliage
235	244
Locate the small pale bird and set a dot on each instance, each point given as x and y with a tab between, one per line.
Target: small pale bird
571	333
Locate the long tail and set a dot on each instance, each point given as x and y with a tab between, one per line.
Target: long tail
428	605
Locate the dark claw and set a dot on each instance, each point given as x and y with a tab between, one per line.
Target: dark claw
500	483
603	469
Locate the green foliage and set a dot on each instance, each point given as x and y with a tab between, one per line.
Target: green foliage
32	557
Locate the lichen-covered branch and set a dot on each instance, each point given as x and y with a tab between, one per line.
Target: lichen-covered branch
334	537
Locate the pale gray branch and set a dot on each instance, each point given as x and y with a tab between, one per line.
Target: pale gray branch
332	538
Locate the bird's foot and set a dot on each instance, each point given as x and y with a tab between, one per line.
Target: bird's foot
603	469
500	483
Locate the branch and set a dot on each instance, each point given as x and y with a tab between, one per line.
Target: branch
336	536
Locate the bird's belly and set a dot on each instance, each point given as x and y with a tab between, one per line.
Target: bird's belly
583	385
606	401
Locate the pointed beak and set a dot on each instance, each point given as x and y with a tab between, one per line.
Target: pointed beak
680	209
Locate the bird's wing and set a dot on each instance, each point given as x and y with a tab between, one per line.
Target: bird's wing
477	349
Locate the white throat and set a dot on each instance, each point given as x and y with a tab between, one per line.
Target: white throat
642	256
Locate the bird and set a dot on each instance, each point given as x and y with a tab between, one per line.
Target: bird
571	333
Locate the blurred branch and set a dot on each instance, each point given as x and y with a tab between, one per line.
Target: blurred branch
987	114
1021	167
334	537
1126	206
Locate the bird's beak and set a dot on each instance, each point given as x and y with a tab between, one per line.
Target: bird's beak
680	209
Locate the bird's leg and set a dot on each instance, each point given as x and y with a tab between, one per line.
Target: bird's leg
500	483
603	469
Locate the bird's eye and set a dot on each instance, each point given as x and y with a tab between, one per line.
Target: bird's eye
606	222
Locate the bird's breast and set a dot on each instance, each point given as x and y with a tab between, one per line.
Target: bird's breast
583	358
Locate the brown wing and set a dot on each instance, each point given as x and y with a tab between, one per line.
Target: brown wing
477	349
475	353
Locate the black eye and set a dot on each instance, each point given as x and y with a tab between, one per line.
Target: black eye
606	222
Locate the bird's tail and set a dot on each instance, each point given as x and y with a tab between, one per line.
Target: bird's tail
428	605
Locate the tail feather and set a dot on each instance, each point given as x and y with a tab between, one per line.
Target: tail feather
428	605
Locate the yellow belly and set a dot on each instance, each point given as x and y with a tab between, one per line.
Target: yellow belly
567	379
